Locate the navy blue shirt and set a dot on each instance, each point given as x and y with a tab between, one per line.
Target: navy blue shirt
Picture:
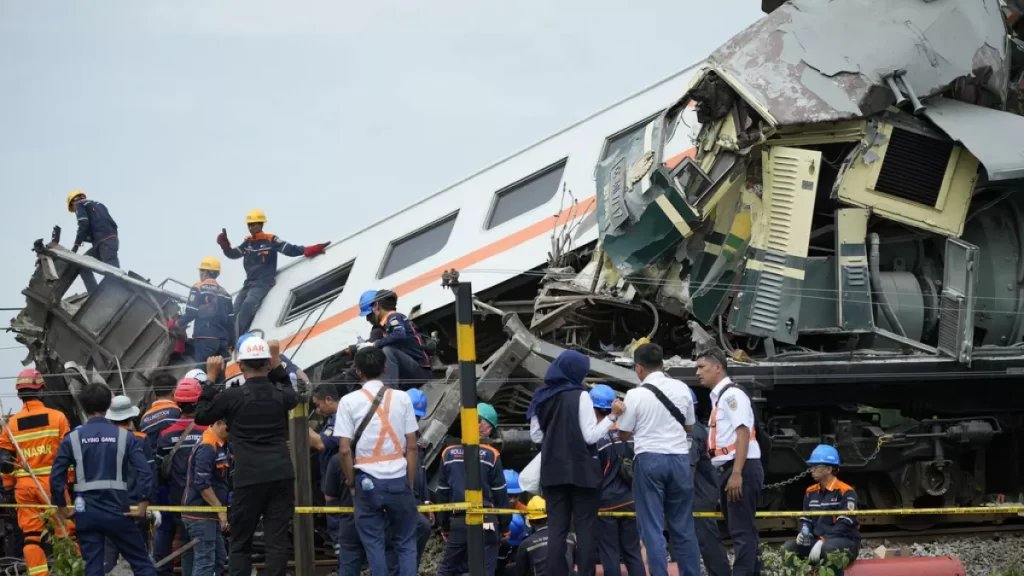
259	257
705	478
615	492
210	306
451	486
94	223
401	332
330	445
98	439
160	415
208	467
179	463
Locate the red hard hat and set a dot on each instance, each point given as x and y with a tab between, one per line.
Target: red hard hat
29	379
188	390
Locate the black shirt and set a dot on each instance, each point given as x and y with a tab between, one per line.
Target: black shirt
257	417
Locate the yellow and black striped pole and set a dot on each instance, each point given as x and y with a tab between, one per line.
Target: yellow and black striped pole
470	421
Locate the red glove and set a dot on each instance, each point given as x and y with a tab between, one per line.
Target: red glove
172	324
314	250
222	239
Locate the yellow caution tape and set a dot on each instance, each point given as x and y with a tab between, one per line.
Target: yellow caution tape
468	507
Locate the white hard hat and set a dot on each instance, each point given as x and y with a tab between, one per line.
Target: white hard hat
254	348
196	374
121	409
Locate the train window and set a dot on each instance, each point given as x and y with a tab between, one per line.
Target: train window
316	292
621	140
418	246
531	192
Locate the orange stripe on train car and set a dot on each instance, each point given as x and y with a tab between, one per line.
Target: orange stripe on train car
475	257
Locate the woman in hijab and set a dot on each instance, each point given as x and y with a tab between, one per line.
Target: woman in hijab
563	422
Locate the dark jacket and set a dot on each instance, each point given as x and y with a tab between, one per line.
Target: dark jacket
840	497
98	440
94	223
210	306
259	257
160	415
532	556
451	486
257	415
565	456
135	489
179	462
401	332
705	478
208	467
615	491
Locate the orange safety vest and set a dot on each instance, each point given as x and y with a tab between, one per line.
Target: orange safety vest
387	431
38	431
713	449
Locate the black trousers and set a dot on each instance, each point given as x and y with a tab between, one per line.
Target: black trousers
571	505
739	516
275	502
849	547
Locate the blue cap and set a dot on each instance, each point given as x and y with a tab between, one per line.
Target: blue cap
824	454
366	302
512	482
419	402
517	530
602	396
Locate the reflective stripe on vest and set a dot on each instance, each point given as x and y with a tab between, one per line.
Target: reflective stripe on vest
117	483
713	449
386	431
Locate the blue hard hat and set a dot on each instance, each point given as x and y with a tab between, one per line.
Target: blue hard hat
419	401
512	482
517	530
602	396
824	454
366	302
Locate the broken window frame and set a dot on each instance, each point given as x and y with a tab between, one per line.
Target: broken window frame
632	127
292	311
382	270
521	184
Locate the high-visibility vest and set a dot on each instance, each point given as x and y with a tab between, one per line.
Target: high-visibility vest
713	449
387	432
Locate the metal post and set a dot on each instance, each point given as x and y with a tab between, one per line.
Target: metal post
303	523
470	421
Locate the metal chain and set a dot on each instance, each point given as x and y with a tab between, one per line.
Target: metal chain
878	448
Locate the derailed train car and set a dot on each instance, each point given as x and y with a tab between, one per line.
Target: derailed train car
835	199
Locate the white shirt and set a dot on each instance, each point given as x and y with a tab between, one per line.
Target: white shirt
351	411
591	428
654	428
734	410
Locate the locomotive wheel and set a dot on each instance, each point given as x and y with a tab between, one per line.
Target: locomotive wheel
883	493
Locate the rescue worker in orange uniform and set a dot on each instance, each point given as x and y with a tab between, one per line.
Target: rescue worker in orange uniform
259	258
38	431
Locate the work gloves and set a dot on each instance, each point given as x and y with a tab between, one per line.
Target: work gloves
314	250
222	239
154	517
815	554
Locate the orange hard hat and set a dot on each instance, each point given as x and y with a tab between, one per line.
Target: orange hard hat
29	379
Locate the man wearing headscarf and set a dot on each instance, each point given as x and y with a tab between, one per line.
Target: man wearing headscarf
562	421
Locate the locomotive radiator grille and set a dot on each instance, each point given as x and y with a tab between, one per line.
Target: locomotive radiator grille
914	167
950	322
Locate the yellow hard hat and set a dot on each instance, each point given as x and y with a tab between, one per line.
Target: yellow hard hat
535	509
255	216
71	196
210	263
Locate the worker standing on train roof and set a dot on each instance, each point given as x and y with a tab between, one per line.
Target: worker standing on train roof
38	431
408	364
837	535
172	452
451	487
97	227
102	454
425	521
532	556
733	448
122	412
259	258
617	538
210	306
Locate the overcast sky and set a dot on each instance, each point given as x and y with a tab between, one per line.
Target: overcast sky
182	116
